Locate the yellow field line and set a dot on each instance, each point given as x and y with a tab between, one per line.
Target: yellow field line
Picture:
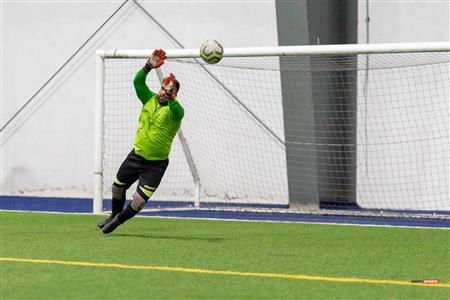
218	272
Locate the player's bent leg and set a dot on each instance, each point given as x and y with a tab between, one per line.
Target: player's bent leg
149	180
138	203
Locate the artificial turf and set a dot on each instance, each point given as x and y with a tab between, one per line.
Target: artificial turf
379	253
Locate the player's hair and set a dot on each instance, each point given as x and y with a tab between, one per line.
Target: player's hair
177	85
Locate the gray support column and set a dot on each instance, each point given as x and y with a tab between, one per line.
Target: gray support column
298	107
320	106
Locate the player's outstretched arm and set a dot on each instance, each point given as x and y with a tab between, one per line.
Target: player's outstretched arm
154	61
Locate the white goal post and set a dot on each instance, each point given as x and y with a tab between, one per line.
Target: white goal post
270	154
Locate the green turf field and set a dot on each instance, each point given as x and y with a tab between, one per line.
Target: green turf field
200	259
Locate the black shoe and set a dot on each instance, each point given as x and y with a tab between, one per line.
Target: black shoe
112	225
104	222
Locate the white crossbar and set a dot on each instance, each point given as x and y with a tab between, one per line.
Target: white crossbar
345	49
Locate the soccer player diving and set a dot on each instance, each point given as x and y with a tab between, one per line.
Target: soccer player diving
159	121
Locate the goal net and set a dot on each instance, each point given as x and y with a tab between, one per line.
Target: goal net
362	129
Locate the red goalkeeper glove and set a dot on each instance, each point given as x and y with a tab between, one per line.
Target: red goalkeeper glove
169	85
155	60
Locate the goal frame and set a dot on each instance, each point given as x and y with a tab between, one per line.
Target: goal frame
102	55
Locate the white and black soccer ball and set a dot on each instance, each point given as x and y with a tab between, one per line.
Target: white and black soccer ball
211	51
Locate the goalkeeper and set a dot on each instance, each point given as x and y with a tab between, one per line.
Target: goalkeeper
159	121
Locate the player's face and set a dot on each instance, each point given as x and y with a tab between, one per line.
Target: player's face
165	94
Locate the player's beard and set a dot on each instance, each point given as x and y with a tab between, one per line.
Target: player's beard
163	100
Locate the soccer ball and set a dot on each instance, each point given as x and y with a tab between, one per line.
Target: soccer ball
211	51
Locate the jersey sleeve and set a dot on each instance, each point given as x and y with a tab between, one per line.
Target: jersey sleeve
176	110
142	90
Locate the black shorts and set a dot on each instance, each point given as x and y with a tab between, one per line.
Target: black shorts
148	172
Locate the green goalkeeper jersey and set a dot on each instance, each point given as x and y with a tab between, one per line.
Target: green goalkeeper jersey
158	124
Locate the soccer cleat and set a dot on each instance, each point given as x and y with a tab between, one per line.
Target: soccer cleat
104	222
112	225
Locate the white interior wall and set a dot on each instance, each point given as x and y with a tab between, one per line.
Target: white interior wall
49	149
402	21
